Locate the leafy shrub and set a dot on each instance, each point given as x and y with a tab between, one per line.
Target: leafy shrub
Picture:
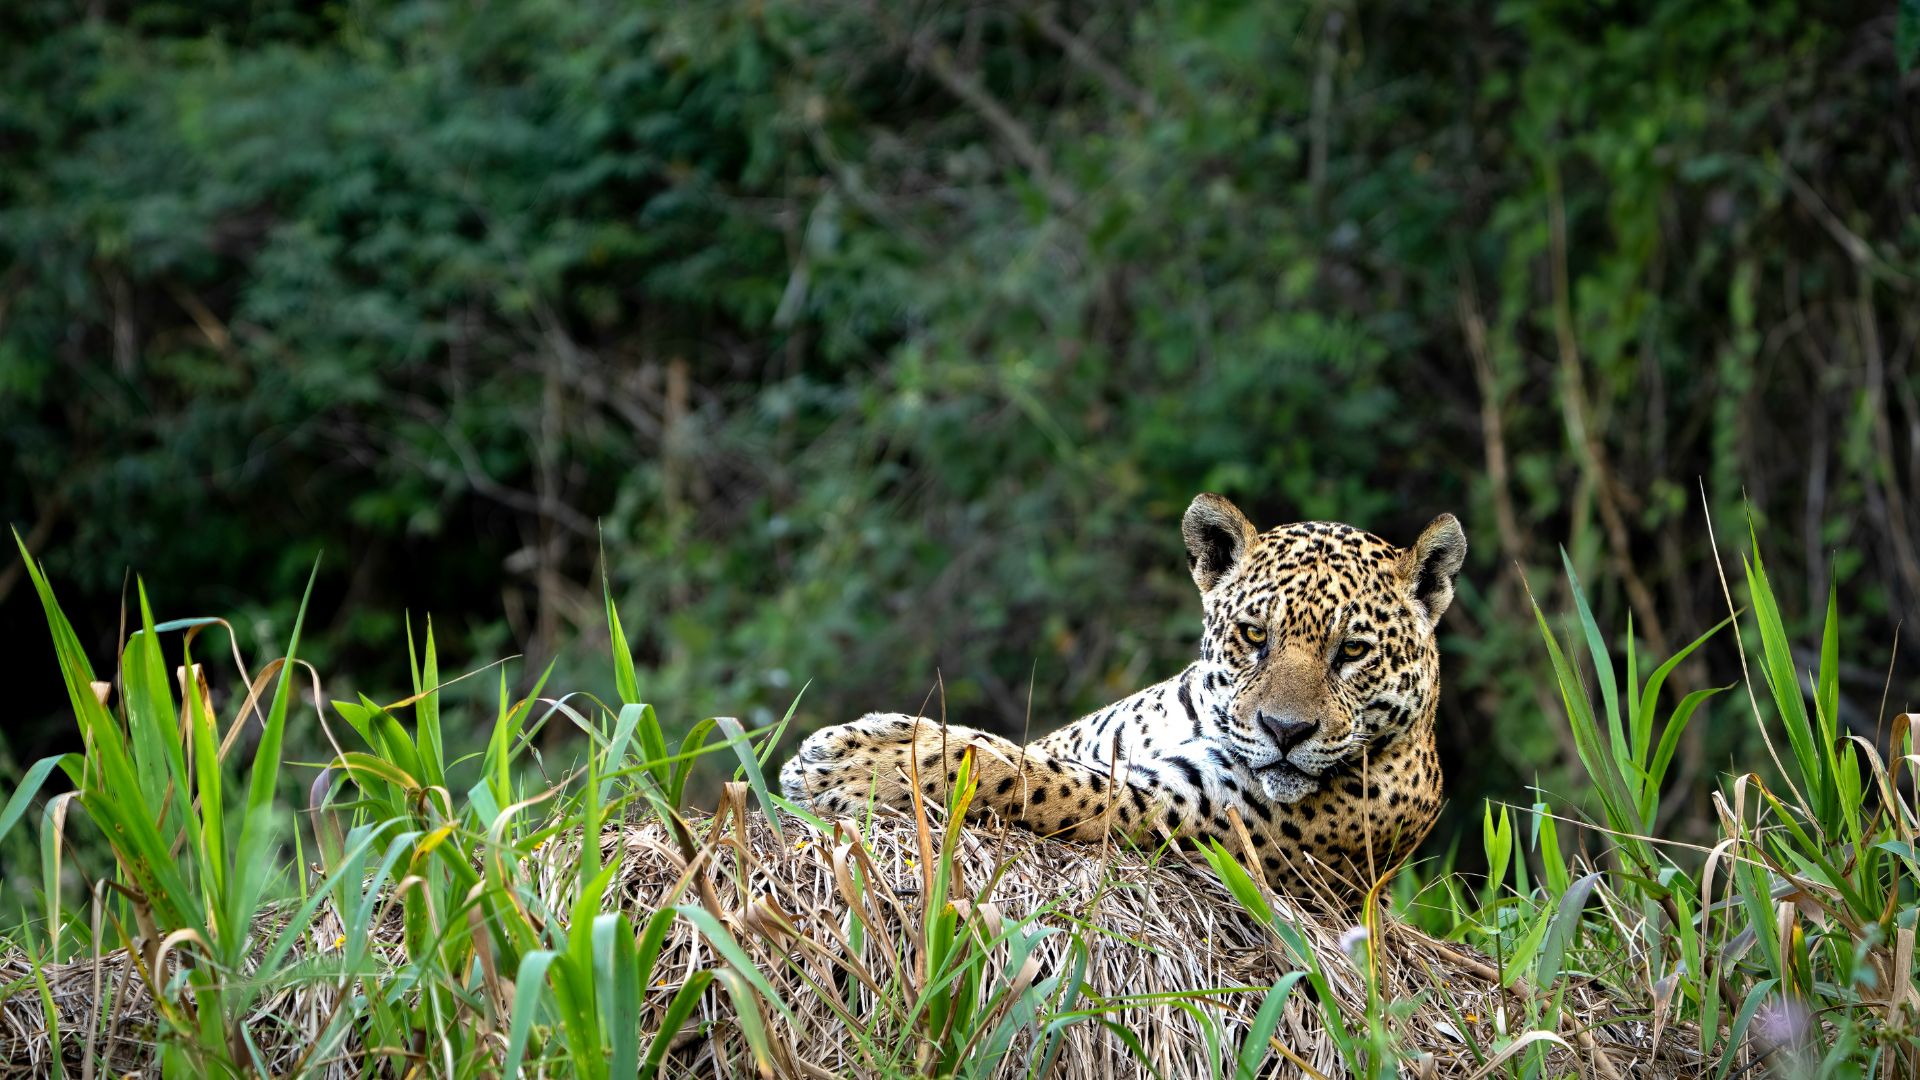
875	349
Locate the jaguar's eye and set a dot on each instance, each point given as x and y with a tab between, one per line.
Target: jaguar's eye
1255	635
1354	650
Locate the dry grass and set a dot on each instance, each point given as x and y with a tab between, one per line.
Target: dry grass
1153	928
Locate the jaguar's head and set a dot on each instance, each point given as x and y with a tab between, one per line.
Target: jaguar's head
1326	634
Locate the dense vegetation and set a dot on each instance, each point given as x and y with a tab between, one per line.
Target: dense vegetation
875	341
864	345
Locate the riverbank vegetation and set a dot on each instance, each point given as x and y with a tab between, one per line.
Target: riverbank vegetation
432	906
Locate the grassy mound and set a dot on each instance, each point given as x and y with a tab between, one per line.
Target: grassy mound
1045	956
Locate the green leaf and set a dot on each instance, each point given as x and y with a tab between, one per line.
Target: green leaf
684	1001
426	710
723	942
1237	880
630	718
109	787
690	748
1602	766
1602	662
528	987
255	851
750	765
355	764
1528	947
506	729
1497	839
1650	697
1253	1049
625	681
617	993
152	721
1565	928
1656	770
772	738
1736	1037
651	939
1782	679
30	786
209	786
746	1012
1552	862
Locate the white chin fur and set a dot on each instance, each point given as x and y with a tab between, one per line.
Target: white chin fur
1287	785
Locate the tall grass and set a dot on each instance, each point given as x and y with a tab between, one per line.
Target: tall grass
458	916
431	914
1785	948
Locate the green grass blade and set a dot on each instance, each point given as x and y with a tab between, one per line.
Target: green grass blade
1639	720
1237	880
1650	696
1602	663
631	718
616	975
691	748
1736	1036
626	682
1496	839
50	1014
1253	1049
211	828
109	784
152	722
723	942
528	987
75	671
678	1010
1553	863
740	986
1565	928
580	922
1827	689
30	786
750	765
651	939
1525	950
1656	770
1782	679
772	740
502	740
1602	766
426	710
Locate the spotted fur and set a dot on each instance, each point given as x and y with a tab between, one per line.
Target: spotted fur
1309	711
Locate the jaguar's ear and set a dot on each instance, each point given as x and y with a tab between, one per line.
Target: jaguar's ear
1431	564
1218	536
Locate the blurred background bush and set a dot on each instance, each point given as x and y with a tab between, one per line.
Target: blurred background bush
875	341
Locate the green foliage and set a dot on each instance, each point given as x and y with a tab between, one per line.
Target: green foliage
464	908
875	348
1617	750
869	347
1794	920
512	955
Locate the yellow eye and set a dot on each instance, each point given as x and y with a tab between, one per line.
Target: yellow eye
1255	635
1354	650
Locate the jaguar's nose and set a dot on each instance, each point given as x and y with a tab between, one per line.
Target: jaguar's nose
1287	731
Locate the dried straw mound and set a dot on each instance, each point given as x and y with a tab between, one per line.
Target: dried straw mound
1152	925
